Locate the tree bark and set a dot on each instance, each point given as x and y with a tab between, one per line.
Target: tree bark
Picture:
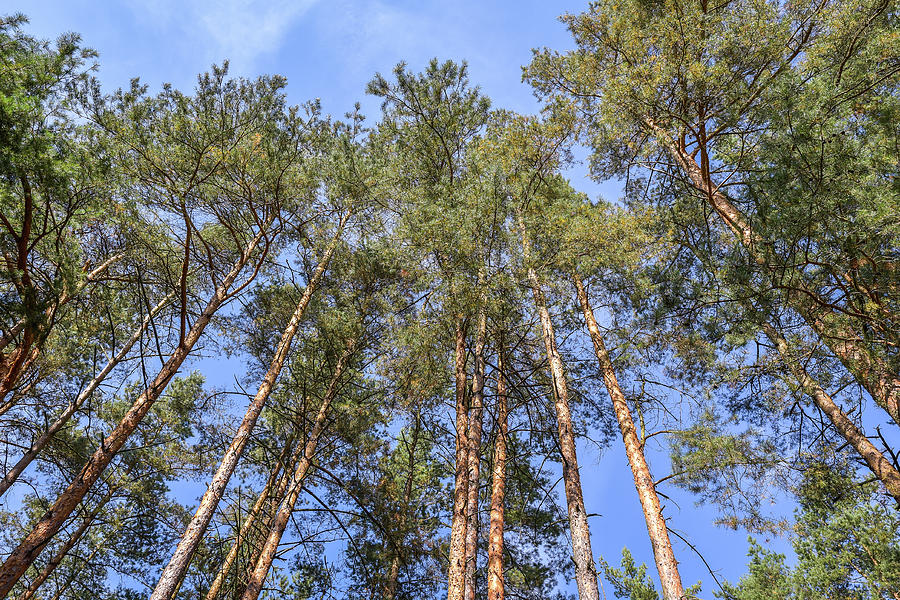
172	575
663	554
23	555
17	362
13	474
872	372
270	547
65	549
498	490
582	555
474	458
456	571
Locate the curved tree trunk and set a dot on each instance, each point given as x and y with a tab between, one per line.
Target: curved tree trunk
17	362
498	490
174	572
23	555
456	572
880	466
582	555
270	547
871	371
62	419
474	458
663	554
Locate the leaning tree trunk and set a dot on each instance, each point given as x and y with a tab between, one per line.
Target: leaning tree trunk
880	466
270	546
24	554
871	371
57	558
13	474
474	459
498	490
582	555
17	362
274	488
456	573
663	554
174	572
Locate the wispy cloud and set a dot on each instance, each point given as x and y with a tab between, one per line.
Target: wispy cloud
239	30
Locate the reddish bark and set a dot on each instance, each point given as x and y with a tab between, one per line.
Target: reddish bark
582	555
474	458
22	556
64	549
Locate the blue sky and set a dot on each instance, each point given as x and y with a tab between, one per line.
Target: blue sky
329	50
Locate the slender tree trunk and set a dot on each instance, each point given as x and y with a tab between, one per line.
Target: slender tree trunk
663	554
23	555
582	555
65	549
498	490
174	572
880	466
390	588
270	547
75	573
13	474
276	483
871	371
474	459
456	573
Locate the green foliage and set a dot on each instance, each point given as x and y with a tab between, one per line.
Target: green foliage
630	580
846	543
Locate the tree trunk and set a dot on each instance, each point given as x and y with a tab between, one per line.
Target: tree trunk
663	554
172	575
23	555
474	458
65	549
582	555
872	372
498	490
456	571
279	484
44	438
390	588
880	466
270	547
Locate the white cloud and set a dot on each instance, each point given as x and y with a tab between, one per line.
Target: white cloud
239	30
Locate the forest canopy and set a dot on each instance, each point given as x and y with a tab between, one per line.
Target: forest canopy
426	322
